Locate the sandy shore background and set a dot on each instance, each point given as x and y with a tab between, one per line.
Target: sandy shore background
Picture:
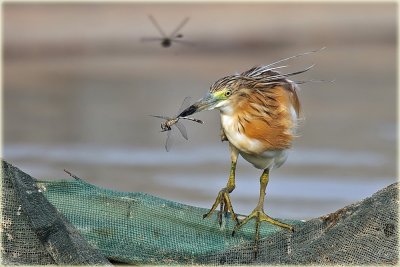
79	86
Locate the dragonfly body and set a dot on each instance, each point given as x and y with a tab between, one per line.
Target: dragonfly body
166	42
166	126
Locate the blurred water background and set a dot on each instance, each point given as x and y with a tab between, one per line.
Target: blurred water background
79	85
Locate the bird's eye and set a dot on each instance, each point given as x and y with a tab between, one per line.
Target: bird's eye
228	93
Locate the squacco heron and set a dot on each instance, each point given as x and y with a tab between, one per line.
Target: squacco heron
259	111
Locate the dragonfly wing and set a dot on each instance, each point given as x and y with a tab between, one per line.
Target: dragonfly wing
180	26
182	129
150	39
155	23
168	142
160	117
184	42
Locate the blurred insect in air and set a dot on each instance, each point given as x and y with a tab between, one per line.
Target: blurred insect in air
167	40
168	124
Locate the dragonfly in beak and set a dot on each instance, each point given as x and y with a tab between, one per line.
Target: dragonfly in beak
171	122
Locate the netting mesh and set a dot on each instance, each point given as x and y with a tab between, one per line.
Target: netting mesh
33	231
143	229
19	240
140	228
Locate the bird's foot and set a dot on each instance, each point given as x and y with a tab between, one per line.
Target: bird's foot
259	215
224	201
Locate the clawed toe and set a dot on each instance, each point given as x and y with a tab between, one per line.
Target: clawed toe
259	215
224	201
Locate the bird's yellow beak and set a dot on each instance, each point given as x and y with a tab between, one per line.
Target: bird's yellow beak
206	103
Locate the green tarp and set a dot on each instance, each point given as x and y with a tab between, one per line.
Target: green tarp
73	222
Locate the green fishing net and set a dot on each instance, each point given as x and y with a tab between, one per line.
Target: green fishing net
73	222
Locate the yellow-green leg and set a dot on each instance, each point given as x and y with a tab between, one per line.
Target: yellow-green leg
258	213
223	198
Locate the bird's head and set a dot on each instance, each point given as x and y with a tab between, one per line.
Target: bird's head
220	96
227	92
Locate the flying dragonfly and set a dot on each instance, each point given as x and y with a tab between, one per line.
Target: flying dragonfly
167	40
169	122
